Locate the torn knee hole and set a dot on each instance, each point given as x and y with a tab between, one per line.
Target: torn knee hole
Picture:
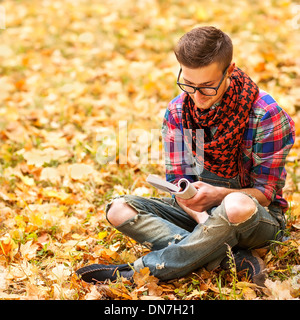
240	216
120	211
239	207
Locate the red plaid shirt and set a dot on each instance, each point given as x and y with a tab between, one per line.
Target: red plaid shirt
267	141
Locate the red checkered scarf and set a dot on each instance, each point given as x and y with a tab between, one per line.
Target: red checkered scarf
222	152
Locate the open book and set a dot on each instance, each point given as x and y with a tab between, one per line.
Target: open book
184	189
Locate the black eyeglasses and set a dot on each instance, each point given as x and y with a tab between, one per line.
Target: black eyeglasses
206	91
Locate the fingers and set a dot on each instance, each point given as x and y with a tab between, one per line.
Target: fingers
199	184
185	202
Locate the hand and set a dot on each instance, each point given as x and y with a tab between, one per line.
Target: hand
207	196
199	217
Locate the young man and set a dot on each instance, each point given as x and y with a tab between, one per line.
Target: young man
239	175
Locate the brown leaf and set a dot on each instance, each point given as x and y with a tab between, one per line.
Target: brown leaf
154	289
116	291
143	277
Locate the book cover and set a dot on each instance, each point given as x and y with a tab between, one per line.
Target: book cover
184	189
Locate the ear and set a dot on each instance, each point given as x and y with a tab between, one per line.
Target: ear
231	68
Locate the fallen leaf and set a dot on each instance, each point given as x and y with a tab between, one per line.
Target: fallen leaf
195	294
36	292
143	277
150	298
277	290
50	174
102	234
7	245
79	171
39	157
115	246
142	191
116	291
108	254
62	293
94	294
60	273
28	250
154	289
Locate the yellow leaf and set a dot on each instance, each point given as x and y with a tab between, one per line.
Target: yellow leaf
28	181
127	257
102	235
249	294
64	197
21	224
8	196
108	254
36	218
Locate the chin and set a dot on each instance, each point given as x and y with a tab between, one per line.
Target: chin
204	106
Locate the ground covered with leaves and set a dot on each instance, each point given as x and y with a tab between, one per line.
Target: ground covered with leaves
76	77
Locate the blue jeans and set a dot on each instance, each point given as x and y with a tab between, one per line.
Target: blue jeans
180	245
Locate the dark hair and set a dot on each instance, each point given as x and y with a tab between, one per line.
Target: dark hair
203	46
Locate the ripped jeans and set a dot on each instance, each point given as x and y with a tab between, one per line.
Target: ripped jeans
179	245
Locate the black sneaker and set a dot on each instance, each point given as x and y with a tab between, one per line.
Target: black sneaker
248	260
101	272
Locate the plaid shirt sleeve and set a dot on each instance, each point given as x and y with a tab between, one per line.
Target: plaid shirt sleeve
273	135
177	163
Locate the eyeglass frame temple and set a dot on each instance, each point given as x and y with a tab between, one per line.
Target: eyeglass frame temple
199	88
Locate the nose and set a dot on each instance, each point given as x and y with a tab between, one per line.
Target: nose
198	96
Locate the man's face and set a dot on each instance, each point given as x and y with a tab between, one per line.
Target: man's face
209	76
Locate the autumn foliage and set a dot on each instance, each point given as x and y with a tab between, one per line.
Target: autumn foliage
70	72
